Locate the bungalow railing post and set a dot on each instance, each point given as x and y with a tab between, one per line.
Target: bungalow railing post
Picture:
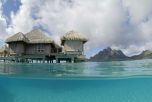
57	60
72	60
43	60
47	61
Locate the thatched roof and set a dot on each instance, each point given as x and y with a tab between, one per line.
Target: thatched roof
73	35
17	37
37	36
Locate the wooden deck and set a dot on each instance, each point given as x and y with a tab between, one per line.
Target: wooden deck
52	58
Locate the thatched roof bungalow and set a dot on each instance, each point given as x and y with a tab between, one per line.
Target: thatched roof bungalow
35	42
73	42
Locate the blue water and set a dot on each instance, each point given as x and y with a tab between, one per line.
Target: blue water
120	81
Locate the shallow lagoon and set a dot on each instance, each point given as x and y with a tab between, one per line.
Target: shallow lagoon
118	81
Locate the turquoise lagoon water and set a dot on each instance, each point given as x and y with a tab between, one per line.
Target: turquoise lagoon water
118	81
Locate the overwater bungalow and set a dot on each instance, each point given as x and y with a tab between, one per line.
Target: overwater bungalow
73	44
38	46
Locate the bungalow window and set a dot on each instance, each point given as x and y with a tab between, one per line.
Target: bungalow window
40	48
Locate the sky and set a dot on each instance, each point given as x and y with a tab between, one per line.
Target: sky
120	24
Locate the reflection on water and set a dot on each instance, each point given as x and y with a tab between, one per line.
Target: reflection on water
88	69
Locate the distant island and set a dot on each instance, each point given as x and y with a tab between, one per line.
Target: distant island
110	54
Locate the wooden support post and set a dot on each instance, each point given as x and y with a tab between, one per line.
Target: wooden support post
57	60
72	60
67	61
43	60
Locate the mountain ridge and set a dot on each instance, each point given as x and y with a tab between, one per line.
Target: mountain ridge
110	54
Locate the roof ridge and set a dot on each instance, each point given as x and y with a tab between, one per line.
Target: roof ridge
38	36
17	37
73	35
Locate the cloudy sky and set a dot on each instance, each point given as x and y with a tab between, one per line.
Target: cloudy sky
121	24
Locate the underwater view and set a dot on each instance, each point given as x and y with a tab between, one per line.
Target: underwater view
117	81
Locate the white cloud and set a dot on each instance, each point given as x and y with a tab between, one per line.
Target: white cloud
22	21
124	24
3	24
139	10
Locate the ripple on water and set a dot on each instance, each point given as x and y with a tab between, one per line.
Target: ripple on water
115	69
